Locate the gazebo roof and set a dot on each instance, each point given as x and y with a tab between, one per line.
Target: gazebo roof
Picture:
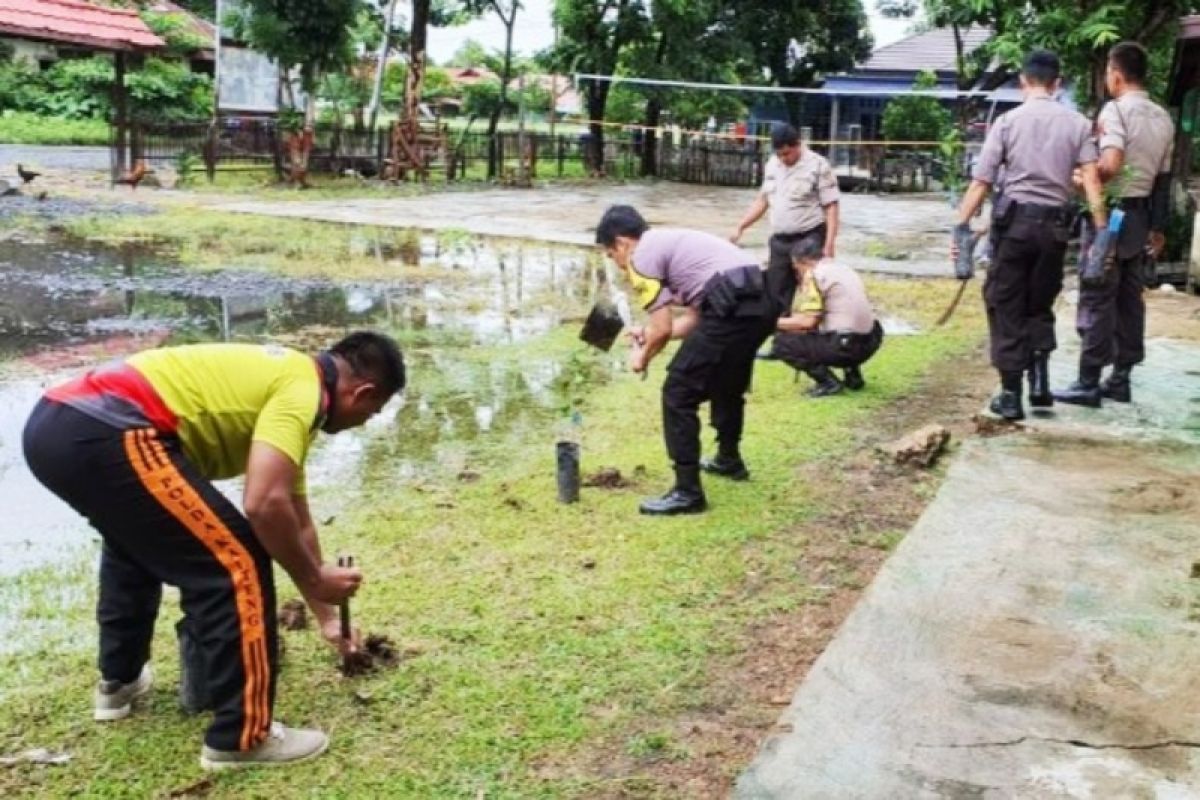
76	22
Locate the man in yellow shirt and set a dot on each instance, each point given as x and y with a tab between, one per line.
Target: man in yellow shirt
134	447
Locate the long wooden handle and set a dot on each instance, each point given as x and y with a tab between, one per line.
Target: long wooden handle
344	608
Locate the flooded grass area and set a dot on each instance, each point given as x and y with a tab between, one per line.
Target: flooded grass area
539	642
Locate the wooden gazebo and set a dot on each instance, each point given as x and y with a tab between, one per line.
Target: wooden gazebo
118	31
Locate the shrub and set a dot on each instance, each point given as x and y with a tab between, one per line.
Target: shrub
917	118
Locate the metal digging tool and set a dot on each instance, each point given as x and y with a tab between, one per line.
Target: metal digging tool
344	608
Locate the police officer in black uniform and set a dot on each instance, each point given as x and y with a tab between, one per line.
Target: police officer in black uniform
1038	144
726	314
1136	142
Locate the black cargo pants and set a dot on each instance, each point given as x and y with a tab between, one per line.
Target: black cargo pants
163	522
1023	283
781	276
715	364
804	351
1111	318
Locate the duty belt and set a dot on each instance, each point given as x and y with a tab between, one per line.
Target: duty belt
1134	203
1043	213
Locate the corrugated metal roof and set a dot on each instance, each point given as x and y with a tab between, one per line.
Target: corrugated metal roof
932	50
75	22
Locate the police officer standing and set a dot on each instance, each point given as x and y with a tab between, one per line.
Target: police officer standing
801	191
1136	138
1039	144
726	315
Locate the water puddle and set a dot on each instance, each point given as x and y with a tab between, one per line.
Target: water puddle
65	306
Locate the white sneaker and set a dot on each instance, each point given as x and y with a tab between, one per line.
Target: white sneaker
283	745
113	700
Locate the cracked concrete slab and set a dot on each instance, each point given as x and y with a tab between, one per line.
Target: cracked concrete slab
898	234
1037	634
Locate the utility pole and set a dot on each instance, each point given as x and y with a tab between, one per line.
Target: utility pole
377	89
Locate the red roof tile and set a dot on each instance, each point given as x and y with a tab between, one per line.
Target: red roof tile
75	22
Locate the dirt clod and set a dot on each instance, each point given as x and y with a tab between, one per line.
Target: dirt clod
377	652
987	425
293	616
921	448
607	478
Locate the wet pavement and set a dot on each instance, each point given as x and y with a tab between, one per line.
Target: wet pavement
896	234
39	157
64	307
1036	634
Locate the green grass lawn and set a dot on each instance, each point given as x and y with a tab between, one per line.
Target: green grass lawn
536	634
23	128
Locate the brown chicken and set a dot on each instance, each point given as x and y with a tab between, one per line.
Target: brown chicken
133	177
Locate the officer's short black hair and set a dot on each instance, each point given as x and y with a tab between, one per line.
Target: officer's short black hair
1041	68
784	135
810	248
1129	59
375	357
620	221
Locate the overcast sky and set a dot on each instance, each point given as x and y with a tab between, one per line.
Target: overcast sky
534	31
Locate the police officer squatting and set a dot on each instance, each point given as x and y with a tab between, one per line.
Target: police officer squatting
834	325
1136	139
1038	146
725	314
134	447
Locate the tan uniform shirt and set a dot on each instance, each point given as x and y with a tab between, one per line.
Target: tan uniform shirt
797	195
1143	131
837	294
1039	143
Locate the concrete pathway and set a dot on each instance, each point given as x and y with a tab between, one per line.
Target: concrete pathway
903	234
1037	634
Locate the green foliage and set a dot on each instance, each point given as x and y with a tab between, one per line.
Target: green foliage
315	35
82	89
917	118
23	128
187	163
168	90
175	29
1080	33
951	149
481	99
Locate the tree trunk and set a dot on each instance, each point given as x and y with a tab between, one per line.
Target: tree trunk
416	76
505	76
650	137
597	100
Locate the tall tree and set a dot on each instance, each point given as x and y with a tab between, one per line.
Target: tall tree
592	36
797	41
687	40
506	12
312	38
1079	31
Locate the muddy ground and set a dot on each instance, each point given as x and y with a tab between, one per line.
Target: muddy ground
869	504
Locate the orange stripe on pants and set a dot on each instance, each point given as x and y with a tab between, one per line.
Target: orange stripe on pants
172	490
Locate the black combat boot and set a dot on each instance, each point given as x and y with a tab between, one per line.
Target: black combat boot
686	498
1007	404
1083	392
726	465
1117	385
852	378
827	382
1040	395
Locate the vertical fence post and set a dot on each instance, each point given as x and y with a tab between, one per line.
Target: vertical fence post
562	155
